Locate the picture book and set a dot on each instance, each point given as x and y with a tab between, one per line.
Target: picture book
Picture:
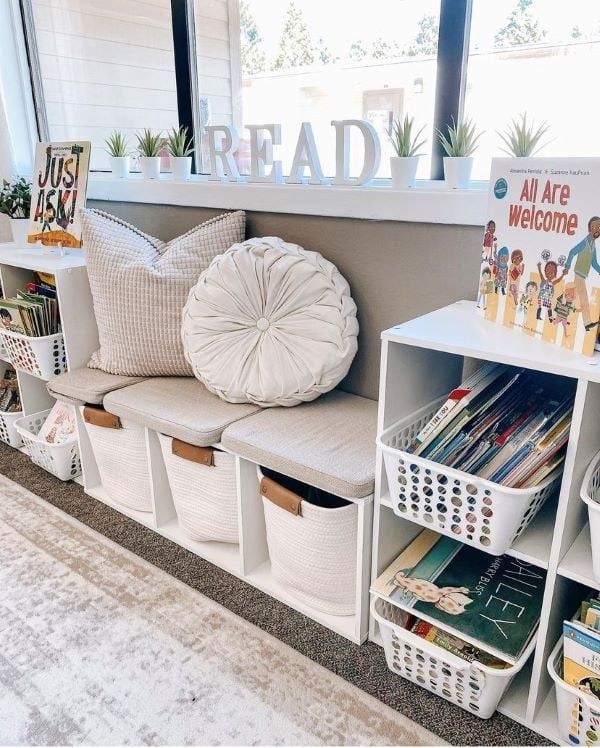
540	263
581	667
456	646
60	425
491	602
60	177
33	312
10	399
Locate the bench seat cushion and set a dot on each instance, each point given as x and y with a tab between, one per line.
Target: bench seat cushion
328	443
180	407
89	386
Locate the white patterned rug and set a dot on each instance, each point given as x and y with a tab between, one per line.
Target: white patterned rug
99	647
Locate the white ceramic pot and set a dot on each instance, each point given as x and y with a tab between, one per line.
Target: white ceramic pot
150	166
457	171
403	170
119	166
19	228
181	166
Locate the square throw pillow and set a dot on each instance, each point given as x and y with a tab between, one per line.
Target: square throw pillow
139	286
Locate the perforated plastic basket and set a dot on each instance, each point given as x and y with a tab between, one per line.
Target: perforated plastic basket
464	507
470	685
8	432
44	357
590	493
62	460
578	713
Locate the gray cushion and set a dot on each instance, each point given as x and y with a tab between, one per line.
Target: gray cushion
328	443
87	385
180	407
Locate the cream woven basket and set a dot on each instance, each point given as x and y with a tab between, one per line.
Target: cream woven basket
590	494
314	554
122	460
470	685
61	460
578	714
205	496
43	357
8	432
465	507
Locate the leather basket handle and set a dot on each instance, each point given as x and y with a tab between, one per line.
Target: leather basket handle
281	497
200	455
97	416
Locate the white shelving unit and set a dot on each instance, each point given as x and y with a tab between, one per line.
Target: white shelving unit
17	265
424	359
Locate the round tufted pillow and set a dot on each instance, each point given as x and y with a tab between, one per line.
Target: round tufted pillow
270	323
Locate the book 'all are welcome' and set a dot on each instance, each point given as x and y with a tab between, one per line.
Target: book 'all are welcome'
540	264
60	177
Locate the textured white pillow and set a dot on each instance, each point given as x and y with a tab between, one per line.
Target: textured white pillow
139	285
270	323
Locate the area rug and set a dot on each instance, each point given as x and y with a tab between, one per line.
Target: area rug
99	647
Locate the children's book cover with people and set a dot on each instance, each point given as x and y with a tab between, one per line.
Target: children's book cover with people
540	254
60	176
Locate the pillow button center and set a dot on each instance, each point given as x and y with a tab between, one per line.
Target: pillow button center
262	324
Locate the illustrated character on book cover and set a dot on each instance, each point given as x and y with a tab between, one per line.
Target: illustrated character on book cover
452	600
540	243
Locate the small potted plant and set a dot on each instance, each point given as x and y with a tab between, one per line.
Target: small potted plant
459	144
403	165
180	149
148	148
522	139
116	147
15	202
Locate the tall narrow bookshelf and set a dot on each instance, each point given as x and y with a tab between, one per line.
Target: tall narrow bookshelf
17	265
423	360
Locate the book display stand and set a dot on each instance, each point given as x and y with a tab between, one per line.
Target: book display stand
421	361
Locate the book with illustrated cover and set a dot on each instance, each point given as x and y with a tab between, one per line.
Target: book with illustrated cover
12	317
60	177
456	646
60	424
581	665
491	602
540	260
10	399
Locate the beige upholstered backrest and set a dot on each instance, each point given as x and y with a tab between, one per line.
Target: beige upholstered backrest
396	270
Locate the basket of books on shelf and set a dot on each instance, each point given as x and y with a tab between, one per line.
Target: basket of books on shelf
50	440
30	331
10	405
574	666
590	494
457	622
478	464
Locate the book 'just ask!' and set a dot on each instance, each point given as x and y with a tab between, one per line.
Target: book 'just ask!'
540	266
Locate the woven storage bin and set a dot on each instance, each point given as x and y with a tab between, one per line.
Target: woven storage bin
43	357
8	432
62	460
590	493
122	460
314	554
578	713
472	510
205	496
470	685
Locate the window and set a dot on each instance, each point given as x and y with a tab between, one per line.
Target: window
309	60
105	65
534	57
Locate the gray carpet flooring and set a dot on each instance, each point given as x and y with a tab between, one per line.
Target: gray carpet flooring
362	666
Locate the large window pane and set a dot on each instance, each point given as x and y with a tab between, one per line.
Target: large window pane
537	57
106	65
316	61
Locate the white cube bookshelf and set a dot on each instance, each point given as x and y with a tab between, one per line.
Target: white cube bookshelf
424	359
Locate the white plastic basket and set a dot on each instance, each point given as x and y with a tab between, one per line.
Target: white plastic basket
470	685
578	713
465	507
314	554
8	432
205	496
590	493
62	460
122	460
43	357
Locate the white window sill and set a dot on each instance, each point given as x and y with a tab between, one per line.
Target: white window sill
428	202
